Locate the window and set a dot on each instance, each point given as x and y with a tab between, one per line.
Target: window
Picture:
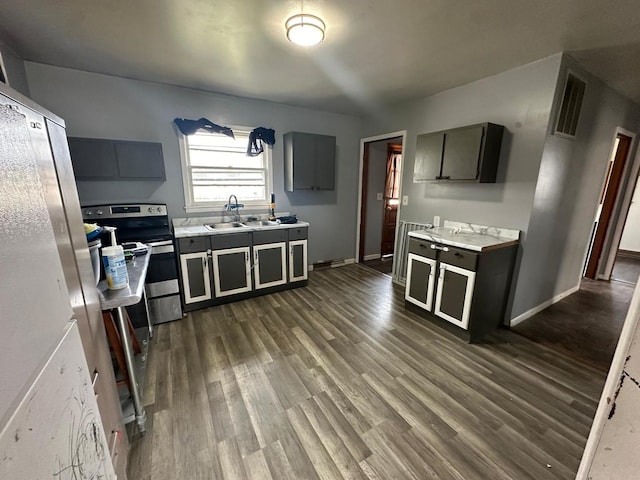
216	166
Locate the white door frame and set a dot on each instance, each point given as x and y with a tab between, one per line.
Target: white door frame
377	138
614	232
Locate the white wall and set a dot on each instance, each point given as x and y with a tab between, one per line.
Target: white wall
631	234
103	106
521	100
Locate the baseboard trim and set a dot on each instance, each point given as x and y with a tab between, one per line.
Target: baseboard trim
629	253
373	256
340	262
530	313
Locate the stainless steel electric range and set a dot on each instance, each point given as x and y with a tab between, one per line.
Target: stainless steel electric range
148	224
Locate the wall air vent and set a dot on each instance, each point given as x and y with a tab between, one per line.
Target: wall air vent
569	111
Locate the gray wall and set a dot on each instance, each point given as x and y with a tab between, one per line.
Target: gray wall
102	106
375	185
568	190
521	100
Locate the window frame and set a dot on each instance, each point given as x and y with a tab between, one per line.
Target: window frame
187	183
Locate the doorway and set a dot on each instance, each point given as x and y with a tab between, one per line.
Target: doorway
379	202
608	197
626	267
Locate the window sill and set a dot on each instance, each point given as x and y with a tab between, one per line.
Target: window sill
220	207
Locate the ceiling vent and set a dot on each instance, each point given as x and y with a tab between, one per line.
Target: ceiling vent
569	112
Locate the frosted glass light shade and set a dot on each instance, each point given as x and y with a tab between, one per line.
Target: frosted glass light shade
305	30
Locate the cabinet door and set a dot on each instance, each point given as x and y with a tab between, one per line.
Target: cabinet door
93	159
298	260
196	281
140	160
270	264
454	294
428	157
304	161
325	162
231	271
420	281
462	153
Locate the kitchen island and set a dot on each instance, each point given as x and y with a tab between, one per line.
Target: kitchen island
459	276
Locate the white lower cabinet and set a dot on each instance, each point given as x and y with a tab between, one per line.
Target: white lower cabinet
196	282
270	264
454	294
231	271
420	281
298	270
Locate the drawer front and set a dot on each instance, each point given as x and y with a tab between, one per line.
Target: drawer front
193	244
298	233
460	258
422	248
269	236
231	240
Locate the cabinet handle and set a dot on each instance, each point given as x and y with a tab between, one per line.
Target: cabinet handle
438	247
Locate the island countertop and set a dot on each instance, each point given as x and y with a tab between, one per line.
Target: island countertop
131	294
472	237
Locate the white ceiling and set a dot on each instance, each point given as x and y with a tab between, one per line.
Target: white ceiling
376	52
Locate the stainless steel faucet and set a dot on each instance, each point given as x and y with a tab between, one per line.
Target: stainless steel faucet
230	207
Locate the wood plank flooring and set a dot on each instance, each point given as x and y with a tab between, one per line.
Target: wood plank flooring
337	380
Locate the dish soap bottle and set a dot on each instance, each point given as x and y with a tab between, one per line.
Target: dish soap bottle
272	207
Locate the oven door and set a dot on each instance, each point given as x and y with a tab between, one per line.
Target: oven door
162	287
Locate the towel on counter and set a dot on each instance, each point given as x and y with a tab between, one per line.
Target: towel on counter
189	127
256	137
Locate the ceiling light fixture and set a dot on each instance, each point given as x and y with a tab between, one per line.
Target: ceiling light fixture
304	29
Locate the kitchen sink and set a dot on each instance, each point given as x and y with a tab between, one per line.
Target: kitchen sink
227	225
261	223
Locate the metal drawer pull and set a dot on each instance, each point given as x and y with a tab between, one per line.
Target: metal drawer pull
438	247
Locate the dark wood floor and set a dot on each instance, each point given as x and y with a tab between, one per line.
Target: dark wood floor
626	268
383	265
586	324
337	380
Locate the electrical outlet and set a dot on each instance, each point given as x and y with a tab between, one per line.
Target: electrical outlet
378	196
436	221
405	200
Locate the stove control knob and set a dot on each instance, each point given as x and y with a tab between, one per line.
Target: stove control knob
150	209
88	213
99	212
159	209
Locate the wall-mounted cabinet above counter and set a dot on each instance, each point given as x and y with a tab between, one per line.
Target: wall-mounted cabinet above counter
466	154
101	159
309	161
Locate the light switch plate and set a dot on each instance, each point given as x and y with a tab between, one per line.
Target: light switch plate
436	220
378	196
405	200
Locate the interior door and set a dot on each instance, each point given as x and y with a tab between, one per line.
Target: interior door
391	198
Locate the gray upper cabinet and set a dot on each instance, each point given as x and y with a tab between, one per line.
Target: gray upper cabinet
141	160
466	154
309	161
428	157
101	159
93	159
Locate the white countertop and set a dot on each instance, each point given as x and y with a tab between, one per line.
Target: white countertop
472	237
197	230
